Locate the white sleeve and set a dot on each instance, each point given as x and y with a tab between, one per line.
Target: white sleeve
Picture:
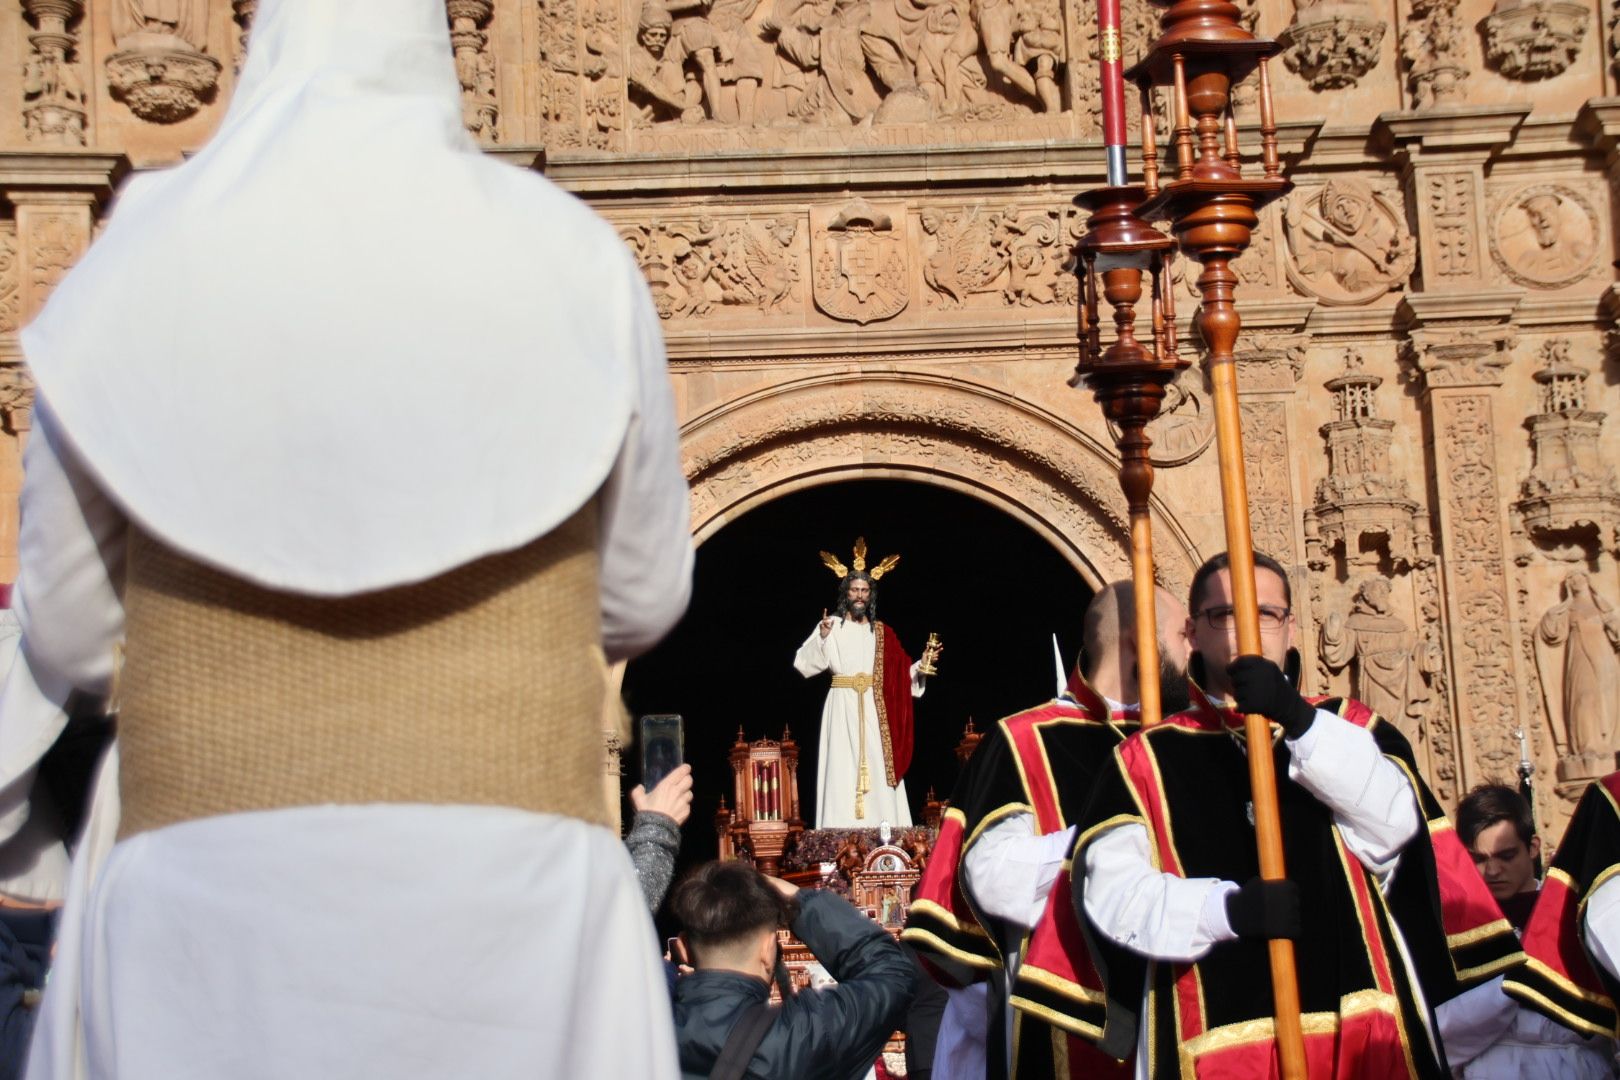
1474	1020
1008	871
1159	915
70	551
1372	801
811	659
1603	926
919	681
646	539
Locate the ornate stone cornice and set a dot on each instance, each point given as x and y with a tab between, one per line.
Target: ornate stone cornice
91	171
1471	131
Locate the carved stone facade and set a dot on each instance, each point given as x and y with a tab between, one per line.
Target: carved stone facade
856	219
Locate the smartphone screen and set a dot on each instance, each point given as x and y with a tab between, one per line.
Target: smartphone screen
663	747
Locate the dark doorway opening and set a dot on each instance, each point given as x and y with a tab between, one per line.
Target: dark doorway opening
990	587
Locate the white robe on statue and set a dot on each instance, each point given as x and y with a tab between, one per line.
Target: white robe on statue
850	648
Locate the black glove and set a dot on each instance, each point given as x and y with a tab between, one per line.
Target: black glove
1260	687
1264	909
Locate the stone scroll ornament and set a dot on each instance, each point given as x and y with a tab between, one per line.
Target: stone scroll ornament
161	68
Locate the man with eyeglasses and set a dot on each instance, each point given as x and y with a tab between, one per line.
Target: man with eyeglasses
1177	918
996	898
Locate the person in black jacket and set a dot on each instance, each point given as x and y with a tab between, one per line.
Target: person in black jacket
730	913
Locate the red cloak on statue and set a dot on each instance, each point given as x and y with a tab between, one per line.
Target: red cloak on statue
891	691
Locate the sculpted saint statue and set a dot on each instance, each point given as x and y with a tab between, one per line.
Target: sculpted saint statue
1387	675
1583	682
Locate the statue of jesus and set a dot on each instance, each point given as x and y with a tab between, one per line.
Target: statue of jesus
866	728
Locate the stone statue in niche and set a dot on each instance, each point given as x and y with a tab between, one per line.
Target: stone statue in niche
1545	236
1388	674
161	70
658	88
1347	243
1576	643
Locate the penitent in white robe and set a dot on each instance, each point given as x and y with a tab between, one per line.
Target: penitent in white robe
850	648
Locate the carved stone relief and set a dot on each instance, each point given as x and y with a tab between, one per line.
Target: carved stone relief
1576	642
1569	504
1347	243
699	264
242	12
1614	41
1432	46
1450	199
1382	653
1362	504
1432	663
1185	425
50	241
1331	44
985	256
1534	39
161	68
53	93
1267	467
1466	356
1545	235
475	66
859	261
16	399
10	281
1475	570
987	437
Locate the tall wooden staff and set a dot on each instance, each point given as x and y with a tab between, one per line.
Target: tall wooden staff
1202	52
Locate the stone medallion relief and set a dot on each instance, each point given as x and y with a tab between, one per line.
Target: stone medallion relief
1347	243
1185	425
1545	235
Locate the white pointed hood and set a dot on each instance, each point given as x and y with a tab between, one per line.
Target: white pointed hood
340	349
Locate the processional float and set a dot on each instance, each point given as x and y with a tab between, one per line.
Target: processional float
1211	204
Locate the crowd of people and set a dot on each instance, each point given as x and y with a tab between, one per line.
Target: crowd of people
352	823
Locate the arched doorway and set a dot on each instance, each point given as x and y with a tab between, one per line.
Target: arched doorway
993	588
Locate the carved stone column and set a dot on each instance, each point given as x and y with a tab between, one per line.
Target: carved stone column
53	198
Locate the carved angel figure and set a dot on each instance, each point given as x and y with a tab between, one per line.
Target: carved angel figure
1582	683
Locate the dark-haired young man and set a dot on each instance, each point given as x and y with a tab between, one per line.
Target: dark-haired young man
729	913
1487	1035
1179	919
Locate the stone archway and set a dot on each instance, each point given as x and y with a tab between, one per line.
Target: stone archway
1034	465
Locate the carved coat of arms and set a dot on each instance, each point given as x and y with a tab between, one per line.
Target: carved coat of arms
860	264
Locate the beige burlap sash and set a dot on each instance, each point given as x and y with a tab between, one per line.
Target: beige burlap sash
481	686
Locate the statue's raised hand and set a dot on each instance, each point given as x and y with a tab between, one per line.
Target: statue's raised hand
826	623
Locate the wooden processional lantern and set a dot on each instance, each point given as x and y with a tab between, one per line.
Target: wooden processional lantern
1211	203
